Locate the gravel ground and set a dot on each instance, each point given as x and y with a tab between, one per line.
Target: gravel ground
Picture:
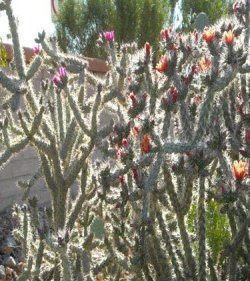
10	251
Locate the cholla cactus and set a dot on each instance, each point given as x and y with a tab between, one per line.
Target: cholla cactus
179	138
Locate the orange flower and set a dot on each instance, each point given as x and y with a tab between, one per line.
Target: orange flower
162	65
205	64
145	144
208	35
239	169
228	37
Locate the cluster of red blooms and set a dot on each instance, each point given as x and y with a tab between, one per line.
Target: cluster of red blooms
165	34
209	35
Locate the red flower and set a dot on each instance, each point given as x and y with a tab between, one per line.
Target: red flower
125	142
228	37
208	35
174	93
247	136
135	174
122	179
239	169
147	48
162	65
133	98
164	34
145	144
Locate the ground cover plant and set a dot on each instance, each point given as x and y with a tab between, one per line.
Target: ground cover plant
168	196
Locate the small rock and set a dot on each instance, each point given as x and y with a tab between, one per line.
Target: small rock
20	267
10	262
11	241
2	273
8	273
5	249
8	245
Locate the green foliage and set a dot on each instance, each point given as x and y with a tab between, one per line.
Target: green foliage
80	22
217	226
3	55
215	9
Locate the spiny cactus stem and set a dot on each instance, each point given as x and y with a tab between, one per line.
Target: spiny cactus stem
169	247
187	247
60	115
202	230
67	273
19	60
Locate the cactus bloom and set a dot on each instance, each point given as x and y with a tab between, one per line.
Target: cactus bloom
205	64
133	98
247	136
208	35
59	76
236	7
36	50
56	80
165	33
147	48
145	144
239	169
174	94
162	65
62	72
122	179
109	36
228	37
125	142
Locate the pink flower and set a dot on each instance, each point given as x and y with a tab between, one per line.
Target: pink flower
62	72
109	35
59	76
56	80
36	50
236	7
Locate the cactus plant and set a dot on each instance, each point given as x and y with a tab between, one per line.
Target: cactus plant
178	131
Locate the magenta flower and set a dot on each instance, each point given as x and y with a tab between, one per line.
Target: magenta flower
36	49
56	80
109	35
62	72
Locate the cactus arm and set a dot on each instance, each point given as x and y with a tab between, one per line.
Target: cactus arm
169	246
79	202
77	114
34	67
18	55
